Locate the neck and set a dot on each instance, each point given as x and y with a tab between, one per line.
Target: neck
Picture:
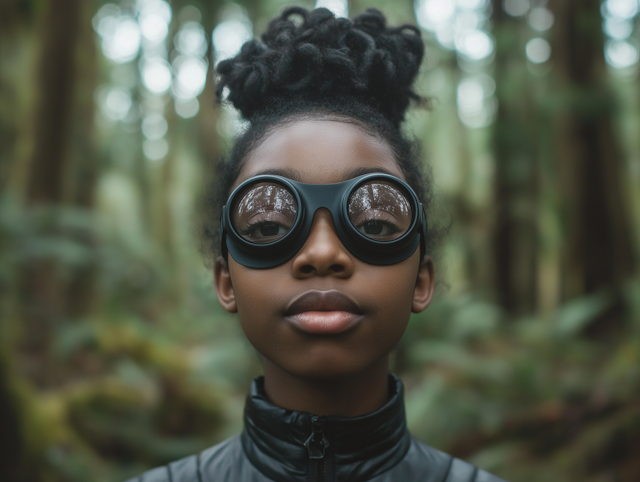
345	396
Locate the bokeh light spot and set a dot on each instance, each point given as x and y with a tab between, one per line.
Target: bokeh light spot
156	75
472	4
516	8
621	9
187	108
154	126
617	29
538	50
475	44
477	105
154	7
431	13
621	54
153	27
470	96
191	40
229	36
541	19
339	7
120	38
155	149
116	104
191	75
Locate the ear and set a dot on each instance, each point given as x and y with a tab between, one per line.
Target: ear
423	291
224	287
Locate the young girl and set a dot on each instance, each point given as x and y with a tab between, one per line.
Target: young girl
321	230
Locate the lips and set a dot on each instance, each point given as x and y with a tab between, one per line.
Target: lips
332	300
323	312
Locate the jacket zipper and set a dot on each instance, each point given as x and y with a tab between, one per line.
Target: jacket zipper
317	444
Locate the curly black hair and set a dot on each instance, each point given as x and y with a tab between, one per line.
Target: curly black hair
312	65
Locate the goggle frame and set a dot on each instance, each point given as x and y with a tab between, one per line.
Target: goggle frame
335	198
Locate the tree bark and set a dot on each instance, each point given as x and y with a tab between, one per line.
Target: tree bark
43	293
598	250
515	238
55	87
84	168
16	30
13	453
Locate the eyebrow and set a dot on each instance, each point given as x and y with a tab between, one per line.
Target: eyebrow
288	173
296	176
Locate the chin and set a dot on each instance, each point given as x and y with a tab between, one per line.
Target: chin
325	368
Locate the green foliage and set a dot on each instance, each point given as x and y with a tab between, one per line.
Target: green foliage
531	399
115	355
141	379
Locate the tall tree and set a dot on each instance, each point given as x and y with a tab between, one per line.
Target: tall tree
598	251
83	168
60	27
43	300
515	233
16	30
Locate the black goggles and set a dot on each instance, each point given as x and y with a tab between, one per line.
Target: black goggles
267	219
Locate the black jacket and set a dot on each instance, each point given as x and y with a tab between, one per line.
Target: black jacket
287	446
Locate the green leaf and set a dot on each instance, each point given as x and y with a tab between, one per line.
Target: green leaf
577	314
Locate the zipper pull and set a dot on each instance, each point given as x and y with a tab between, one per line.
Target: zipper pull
317	443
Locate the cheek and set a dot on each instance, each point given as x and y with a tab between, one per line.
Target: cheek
390	289
257	295
395	283
248	284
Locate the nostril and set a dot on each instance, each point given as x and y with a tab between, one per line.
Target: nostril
306	269
334	268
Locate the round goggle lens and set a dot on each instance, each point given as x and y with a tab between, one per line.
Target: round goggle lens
264	213
380	210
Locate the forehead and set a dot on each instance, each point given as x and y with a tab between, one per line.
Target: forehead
320	152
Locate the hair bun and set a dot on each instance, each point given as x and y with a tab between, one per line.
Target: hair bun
322	57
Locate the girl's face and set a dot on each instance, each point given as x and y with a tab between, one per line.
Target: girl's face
324	313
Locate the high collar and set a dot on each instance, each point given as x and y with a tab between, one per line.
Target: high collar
358	448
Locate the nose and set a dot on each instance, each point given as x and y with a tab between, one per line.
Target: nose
323	254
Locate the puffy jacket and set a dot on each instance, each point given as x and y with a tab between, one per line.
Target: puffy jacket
288	446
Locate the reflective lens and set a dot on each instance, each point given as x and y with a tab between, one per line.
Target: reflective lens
380	210
264	213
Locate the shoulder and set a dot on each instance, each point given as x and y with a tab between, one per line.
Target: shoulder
456	470
193	468
427	464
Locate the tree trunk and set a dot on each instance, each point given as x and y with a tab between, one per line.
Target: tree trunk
13	453
16	31
85	159
43	295
55	87
515	240
598	249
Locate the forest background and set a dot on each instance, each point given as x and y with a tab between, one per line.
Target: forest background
114	353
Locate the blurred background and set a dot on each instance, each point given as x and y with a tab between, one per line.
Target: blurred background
114	354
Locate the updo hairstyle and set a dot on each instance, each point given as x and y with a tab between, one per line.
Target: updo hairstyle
312	65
